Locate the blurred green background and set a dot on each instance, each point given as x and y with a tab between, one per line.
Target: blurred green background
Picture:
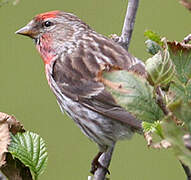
24	91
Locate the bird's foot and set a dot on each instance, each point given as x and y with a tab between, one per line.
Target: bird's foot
96	164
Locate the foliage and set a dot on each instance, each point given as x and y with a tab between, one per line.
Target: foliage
175	135
135	95
160	68
152	46
154	127
175	73
153	36
162	99
30	149
3	2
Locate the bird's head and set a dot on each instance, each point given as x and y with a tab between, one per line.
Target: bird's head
53	32
57	24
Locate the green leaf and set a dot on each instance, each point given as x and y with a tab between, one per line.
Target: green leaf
180	103
153	36
160	68
3	2
181	57
152	46
174	134
30	149
179	94
153	127
133	93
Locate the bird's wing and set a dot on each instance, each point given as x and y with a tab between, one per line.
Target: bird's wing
77	76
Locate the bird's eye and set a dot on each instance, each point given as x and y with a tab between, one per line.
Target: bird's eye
47	23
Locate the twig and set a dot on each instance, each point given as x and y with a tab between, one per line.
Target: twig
186	170
129	22
125	38
160	101
104	160
187	39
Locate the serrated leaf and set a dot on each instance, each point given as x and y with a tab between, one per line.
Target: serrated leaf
153	36
180	90
181	57
133	93
160	68
152	46
153	127
174	134
180	103
30	149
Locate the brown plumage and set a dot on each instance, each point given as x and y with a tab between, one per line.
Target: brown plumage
75	57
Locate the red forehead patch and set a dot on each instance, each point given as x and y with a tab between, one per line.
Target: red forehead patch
47	15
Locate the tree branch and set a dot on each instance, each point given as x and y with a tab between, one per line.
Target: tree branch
104	160
125	38
124	41
129	22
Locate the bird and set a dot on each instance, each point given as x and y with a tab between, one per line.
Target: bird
75	56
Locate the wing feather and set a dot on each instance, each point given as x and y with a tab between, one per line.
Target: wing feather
76	76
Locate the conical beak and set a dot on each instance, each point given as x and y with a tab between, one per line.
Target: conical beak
28	30
24	31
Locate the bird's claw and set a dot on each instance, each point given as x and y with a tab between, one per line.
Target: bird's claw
97	165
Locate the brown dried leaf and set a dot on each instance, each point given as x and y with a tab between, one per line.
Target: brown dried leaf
10	166
15	170
4	140
164	144
7	124
13	125
186	4
177	46
148	138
